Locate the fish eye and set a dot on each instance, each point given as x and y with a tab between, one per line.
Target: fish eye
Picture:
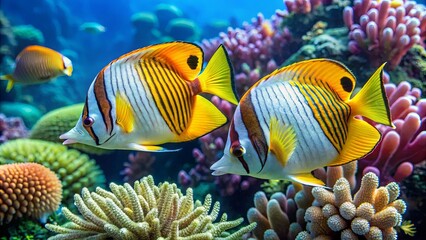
87	122
237	151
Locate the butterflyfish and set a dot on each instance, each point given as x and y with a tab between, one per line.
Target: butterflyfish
300	118
150	96
37	64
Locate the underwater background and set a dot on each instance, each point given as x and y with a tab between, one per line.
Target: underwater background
260	36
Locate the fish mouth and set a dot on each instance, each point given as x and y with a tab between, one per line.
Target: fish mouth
218	169
69	137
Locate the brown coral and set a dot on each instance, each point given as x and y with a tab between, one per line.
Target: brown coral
27	189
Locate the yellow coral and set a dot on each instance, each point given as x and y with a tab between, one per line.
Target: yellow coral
145	211
59	121
74	169
373	212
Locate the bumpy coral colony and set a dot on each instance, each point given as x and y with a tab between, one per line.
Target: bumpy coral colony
28	189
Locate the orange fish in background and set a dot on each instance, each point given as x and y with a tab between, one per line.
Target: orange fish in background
38	64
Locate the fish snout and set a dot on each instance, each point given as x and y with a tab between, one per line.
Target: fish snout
70	137
219	168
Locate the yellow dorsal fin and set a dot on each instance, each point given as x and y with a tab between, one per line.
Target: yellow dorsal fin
306	179
362	138
205	118
8	77
218	77
125	118
319	72
282	141
371	100
185	57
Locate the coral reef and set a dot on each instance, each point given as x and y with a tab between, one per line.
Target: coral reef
384	31
145	211
405	146
138	166
255	50
145	25
182	29
11	128
56	122
7	39
28	189
372	212
282	216
74	169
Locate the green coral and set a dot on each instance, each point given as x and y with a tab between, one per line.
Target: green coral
74	169
26	35
27	112
59	121
145	211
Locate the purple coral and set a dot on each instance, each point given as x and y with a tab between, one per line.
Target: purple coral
11	128
384	31
405	146
255	50
138	166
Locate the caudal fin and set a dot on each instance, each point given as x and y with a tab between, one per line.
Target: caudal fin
371	100
218	77
8	77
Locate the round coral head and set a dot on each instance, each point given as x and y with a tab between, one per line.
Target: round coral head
27	189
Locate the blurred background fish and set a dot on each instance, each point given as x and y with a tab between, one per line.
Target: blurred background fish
300	118
92	27
150	96
37	64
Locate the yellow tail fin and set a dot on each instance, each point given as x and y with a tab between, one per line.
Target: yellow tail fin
218	77
8	77
371	100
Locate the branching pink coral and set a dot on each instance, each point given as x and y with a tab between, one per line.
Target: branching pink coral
404	146
383	30
11	128
304	6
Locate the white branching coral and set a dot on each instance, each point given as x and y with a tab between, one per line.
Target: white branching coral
145	211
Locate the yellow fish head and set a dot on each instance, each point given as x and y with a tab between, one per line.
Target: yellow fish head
67	66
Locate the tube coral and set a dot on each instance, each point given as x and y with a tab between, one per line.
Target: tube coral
28	189
145	211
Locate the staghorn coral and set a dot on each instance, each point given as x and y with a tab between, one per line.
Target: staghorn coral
384	31
28	189
145	211
404	146
74	169
58	121
282	216
372	212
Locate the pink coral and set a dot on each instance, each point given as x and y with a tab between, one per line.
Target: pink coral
404	146
304	6
11	128
138	166
383	31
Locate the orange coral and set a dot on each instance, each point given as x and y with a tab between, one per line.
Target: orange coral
27	189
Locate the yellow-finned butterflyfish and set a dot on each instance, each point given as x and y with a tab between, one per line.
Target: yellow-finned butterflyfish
300	118
37	64
150	96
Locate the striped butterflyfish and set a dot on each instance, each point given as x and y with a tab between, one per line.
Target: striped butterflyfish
300	118
37	64
150	96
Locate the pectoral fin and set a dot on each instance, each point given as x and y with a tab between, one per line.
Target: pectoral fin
138	147
125	118
307	179
362	138
282	142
